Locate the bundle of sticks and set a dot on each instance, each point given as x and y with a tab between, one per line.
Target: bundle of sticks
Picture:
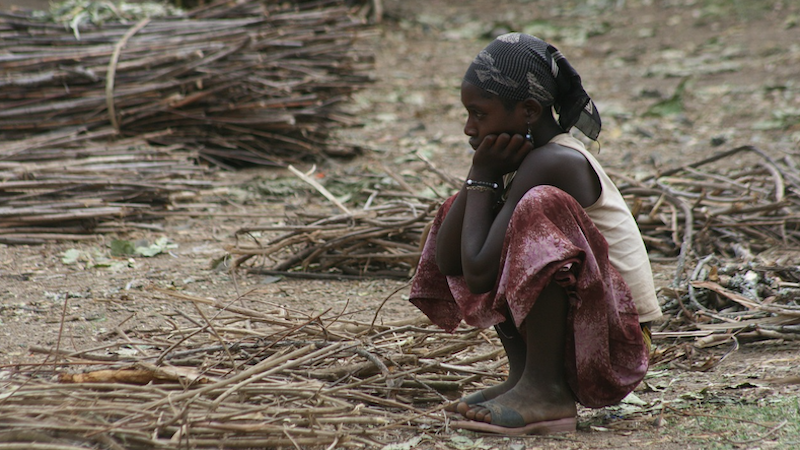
380	238
733	204
74	186
249	82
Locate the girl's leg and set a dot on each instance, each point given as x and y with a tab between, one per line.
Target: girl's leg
542	392
516	349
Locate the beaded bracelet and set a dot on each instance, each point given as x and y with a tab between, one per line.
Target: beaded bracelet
480	188
488	184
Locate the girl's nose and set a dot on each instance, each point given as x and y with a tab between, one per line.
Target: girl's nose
469	129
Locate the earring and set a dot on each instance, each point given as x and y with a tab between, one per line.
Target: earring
529	136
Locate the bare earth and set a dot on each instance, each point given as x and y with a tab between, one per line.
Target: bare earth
742	60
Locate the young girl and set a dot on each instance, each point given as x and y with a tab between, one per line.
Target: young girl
540	244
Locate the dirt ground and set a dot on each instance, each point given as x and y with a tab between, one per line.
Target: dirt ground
741	61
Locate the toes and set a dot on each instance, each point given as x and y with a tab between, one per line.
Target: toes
460	407
470	413
483	415
478	414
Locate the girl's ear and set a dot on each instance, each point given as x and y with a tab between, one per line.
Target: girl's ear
533	110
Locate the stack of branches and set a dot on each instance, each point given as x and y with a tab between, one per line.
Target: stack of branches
729	302
74	186
731	204
734	217
240	83
373	242
235	377
379	239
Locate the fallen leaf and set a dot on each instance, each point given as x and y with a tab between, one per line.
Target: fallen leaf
160	246
671	106
121	247
71	256
633	399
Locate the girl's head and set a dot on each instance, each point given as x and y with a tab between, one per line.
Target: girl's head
516	67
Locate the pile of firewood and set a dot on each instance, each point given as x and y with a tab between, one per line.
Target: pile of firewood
734	204
76	186
707	207
248	82
101	123
729	225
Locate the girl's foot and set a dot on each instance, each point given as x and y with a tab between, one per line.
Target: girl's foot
516	350
466	403
523	405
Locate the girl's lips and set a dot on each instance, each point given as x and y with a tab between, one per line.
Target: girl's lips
473	144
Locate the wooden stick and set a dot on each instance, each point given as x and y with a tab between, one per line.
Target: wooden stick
112	69
320	188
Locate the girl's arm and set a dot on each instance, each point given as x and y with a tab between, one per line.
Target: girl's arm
448	240
482	233
482	240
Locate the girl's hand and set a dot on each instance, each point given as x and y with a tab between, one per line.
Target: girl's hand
499	154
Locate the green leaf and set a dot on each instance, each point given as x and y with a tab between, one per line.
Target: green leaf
671	106
121	247
101	261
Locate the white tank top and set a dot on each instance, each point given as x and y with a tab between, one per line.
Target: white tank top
626	248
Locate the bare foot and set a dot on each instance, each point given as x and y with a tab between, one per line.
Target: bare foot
516	350
466	403
525	404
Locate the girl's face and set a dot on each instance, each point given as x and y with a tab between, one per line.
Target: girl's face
487	115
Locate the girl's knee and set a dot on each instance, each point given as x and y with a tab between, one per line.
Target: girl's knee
546	198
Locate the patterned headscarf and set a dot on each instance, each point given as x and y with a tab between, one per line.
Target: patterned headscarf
518	66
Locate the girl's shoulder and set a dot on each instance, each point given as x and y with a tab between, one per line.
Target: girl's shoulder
554	155
561	166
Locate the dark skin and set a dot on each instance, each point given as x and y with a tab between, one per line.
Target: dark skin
470	242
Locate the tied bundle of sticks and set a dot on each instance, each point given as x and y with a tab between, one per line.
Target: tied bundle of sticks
244	373
250	82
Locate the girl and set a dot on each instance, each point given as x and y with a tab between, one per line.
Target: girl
540	244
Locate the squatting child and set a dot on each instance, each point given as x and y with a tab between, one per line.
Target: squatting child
540	244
